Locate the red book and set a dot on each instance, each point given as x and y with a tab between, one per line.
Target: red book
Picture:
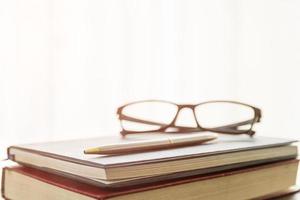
248	183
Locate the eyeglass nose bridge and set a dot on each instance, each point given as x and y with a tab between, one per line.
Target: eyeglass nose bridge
191	106
183	106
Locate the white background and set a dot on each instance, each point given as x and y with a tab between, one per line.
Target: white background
66	65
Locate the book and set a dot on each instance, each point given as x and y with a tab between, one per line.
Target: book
249	183
68	157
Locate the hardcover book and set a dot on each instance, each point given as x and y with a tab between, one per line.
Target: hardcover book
227	152
249	183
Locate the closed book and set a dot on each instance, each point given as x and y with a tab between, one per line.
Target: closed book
249	183
228	152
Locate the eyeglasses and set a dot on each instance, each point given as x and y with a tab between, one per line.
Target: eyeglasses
228	117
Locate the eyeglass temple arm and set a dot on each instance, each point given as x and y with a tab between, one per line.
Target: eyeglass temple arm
230	127
127	118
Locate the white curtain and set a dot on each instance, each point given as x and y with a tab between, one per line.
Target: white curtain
66	65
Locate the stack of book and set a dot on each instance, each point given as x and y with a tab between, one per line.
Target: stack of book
233	167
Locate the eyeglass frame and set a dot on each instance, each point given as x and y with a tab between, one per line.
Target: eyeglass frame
227	129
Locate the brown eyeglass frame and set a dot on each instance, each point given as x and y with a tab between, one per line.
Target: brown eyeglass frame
228	129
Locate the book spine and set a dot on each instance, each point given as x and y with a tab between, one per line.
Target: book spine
2	183
9	155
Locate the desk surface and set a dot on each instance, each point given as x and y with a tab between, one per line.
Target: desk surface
290	197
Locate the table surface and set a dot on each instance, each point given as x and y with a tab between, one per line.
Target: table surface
291	197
